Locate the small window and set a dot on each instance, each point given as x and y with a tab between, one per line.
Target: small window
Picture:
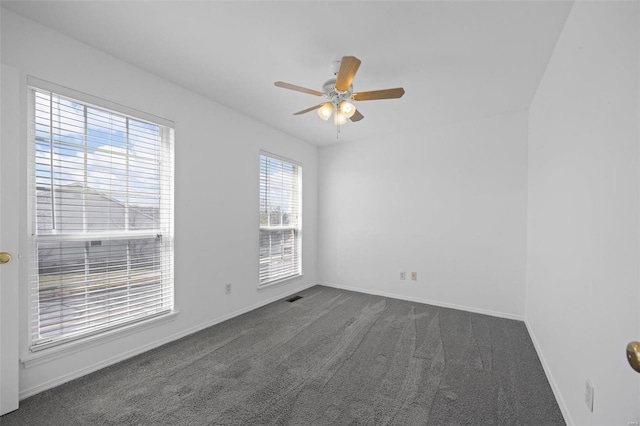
280	219
101	197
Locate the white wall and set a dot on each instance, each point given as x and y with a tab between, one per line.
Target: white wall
583	287
447	202
217	169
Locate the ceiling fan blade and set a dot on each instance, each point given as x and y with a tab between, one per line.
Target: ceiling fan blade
304	111
356	117
298	88
379	94
348	67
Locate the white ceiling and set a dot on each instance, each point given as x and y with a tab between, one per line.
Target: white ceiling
456	60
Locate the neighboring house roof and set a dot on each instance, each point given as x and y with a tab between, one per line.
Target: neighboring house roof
96	205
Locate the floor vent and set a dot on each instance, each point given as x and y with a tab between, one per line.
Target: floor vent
293	298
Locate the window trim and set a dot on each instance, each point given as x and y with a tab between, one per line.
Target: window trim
300	273
33	358
97	101
47	350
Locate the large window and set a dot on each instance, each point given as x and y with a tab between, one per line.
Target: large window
280	219
101	196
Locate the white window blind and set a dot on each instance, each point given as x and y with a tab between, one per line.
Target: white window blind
101	196
280	219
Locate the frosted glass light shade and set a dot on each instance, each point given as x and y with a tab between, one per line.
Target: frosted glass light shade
347	109
339	119
325	111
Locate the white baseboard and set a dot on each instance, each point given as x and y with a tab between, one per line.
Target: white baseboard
425	301
25	393
547	371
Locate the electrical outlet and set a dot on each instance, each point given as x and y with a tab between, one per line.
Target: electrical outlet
227	288
414	276
403	276
588	395
633	423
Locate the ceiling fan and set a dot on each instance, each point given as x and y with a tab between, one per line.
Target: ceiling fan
339	95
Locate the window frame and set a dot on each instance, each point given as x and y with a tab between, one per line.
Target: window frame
298	228
164	232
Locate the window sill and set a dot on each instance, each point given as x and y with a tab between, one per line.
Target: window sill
46	355
280	281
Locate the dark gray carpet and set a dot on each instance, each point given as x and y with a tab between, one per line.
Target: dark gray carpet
333	357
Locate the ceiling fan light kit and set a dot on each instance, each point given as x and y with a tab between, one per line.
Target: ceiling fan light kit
339	93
